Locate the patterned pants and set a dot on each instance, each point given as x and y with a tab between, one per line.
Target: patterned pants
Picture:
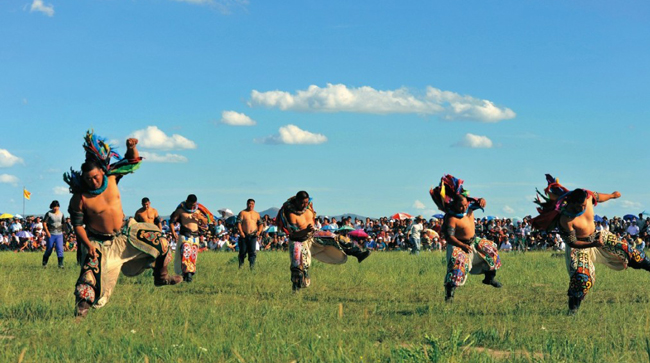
615	254
187	251
131	253
484	257
300	263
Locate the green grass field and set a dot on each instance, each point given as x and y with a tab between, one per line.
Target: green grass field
390	308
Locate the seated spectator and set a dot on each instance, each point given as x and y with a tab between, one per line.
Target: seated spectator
506	246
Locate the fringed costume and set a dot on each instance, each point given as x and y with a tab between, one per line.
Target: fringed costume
614	253
134	249
187	246
483	257
300	243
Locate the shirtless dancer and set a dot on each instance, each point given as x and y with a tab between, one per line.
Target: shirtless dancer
466	253
148	214
297	217
572	212
187	244
107	246
249	225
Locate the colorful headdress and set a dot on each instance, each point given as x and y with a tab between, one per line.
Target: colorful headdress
99	150
552	203
448	188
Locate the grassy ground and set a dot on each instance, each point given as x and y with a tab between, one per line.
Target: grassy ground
389	308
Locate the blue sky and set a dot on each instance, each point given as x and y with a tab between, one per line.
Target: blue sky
363	104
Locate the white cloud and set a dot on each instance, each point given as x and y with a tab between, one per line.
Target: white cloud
292	134
474	142
224	6
39	6
508	209
340	98
167	158
61	190
152	137
419	205
8	179
7	159
233	118
629	205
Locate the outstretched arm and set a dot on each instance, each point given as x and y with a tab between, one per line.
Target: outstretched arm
603	197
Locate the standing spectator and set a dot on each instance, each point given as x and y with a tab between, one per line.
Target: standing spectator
414	234
53	228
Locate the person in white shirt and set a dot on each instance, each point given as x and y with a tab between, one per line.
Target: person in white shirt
413	235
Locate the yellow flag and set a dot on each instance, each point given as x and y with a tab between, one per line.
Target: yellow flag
26	194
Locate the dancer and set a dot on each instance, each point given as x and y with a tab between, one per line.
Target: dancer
148	214
108	246
193	217
572	212
53	227
466	253
297	218
249	225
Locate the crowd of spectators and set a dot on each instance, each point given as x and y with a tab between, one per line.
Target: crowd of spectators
384	234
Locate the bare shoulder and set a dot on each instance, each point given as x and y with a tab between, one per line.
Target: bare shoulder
76	202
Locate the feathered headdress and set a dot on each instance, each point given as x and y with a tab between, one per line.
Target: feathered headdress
449	187
99	150
552	203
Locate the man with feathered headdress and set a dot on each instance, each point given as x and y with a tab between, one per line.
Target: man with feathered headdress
108	246
466	253
572	212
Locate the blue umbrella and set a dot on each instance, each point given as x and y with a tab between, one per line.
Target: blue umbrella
24	234
439	216
630	217
489	218
329	227
272	229
598	218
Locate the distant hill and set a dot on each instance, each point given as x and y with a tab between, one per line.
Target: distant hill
271	212
338	217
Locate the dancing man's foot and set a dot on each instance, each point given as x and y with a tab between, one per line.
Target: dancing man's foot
490	279
82	308
363	255
449	293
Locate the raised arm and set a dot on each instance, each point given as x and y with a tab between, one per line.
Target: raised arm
131	150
